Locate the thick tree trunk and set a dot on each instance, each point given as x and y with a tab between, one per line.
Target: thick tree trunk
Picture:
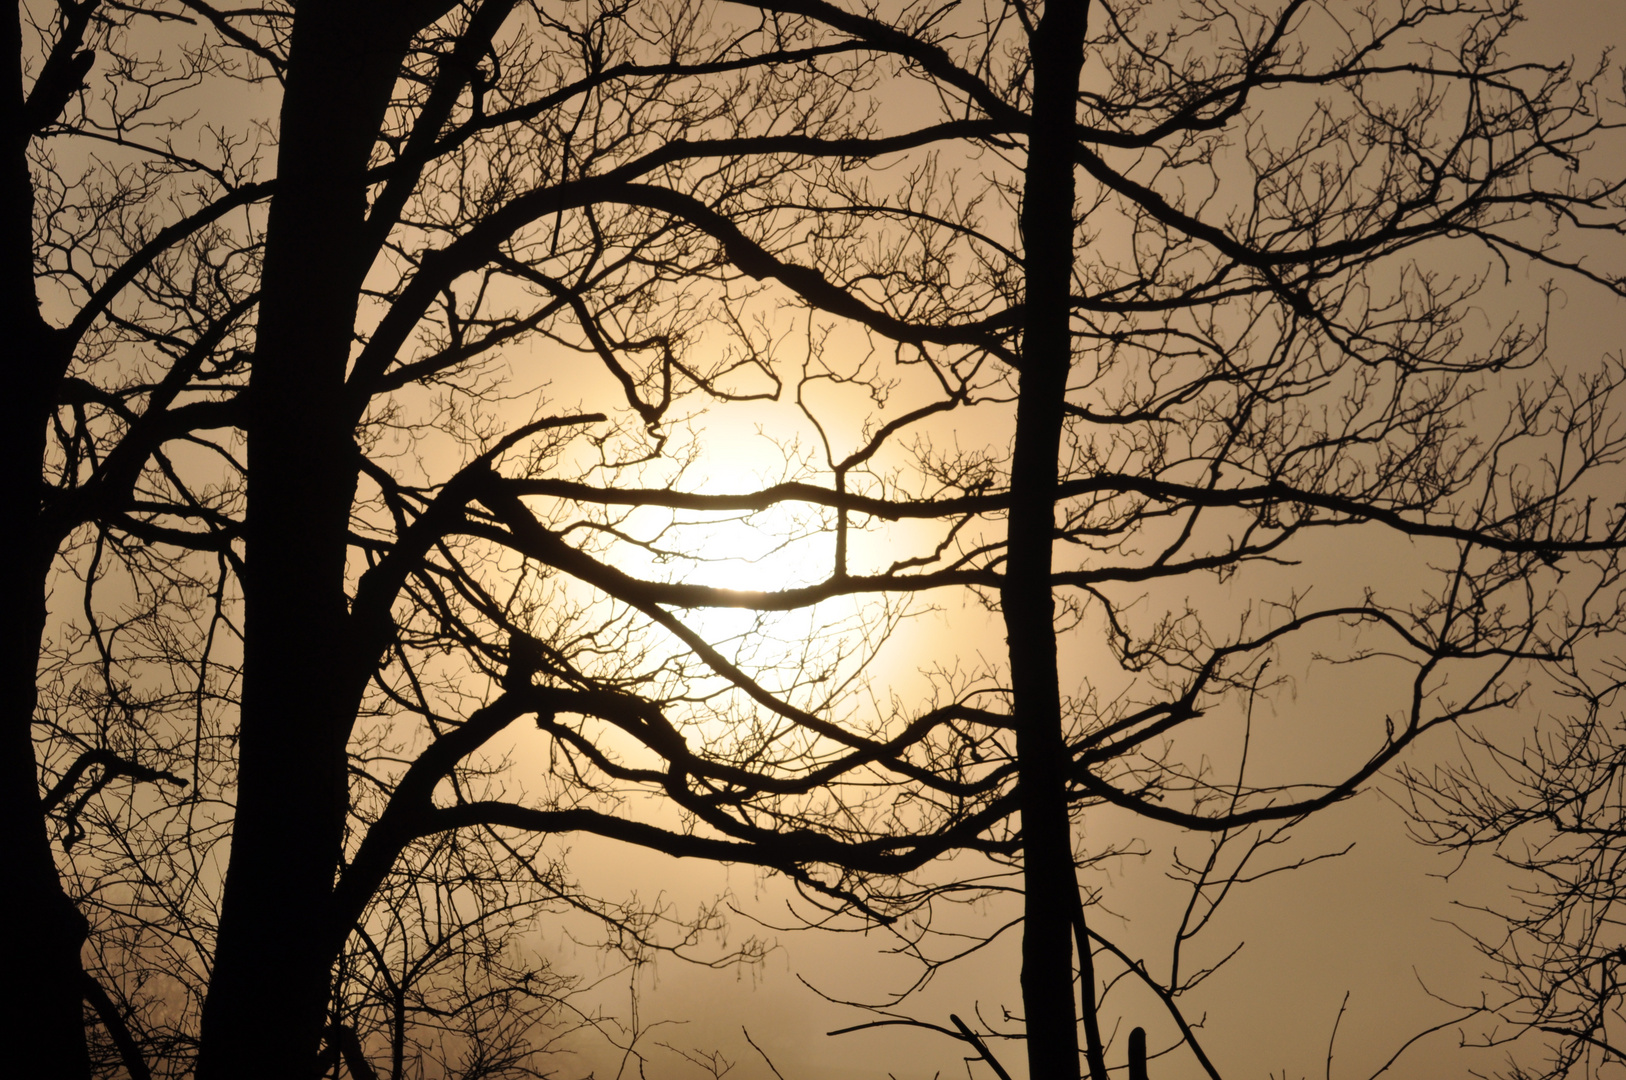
1048	876
42	1030
39	951
301	680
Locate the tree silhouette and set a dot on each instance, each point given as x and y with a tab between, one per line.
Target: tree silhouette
1145	305
119	317
1226	334
1547	807
508	157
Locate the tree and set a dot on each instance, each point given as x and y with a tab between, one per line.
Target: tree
1543	800
117	318
496	128
1241	340
1219	387
308	396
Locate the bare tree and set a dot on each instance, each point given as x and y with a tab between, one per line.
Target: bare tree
1220	307
1544	800
1204	332
127	297
450	182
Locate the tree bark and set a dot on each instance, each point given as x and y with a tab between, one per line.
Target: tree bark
1048	875
301	678
42	1029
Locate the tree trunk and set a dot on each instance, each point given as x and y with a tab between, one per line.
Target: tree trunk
301	681
1048	875
43	1027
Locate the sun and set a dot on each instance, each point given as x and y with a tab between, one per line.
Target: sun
781	547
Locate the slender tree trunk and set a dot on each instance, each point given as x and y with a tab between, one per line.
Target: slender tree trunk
301	680
42	1030
1048	875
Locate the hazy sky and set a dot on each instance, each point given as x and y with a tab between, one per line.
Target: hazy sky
1374	924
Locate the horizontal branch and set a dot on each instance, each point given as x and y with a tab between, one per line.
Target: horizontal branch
1492	535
